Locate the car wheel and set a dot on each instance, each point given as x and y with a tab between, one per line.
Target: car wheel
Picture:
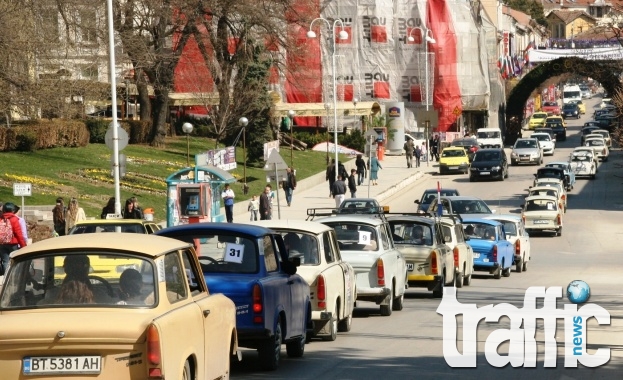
518	266
296	347
459	279
525	266
332	326
507	272
386	310
593	176
187	374
467	280
345	324
438	291
399	302
498	273
559	232
269	352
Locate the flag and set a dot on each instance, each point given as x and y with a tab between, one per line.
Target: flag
439	208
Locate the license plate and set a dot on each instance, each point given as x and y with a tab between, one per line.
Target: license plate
62	365
485	173
476	255
485	260
525	158
454	168
541	221
410	267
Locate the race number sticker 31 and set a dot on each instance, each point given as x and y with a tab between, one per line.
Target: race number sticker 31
234	253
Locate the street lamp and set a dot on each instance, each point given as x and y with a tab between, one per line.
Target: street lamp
243	122
342	35
427	39
355	101
187	128
327	107
291	114
113	101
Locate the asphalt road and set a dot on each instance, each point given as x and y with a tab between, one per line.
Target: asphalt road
409	343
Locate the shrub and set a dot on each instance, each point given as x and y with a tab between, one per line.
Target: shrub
26	141
45	134
97	128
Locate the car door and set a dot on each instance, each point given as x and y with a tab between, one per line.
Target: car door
277	284
297	288
340	271
468	252
396	260
447	258
505	246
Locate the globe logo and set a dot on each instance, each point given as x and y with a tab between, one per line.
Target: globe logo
578	291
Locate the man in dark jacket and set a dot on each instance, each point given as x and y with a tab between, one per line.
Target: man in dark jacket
289	185
330	176
409	148
352	183
339	191
18	240
266	204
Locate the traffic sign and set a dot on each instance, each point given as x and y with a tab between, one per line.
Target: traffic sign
22	189
122	138
457	111
275	159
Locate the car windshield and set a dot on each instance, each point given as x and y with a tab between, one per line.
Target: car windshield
539	116
488	135
481	231
541	205
578	157
80	279
522	144
570	106
470	206
453	153
411	233
542	137
224	253
487	156
107	227
429	196
303	245
545	173
550	192
353	236
595	143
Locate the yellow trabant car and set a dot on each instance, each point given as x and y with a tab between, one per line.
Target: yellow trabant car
537	120
453	159
556	119
156	320
581	106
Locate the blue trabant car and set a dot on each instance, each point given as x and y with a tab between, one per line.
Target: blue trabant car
492	252
250	265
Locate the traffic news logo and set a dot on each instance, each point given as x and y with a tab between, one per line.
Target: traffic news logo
522	349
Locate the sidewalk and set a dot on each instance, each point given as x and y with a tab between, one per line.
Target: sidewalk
313	192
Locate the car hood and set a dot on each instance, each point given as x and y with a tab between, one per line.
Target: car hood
414	253
526	150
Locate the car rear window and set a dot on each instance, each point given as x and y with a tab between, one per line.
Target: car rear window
352	236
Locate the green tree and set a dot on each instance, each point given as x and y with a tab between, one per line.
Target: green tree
530	7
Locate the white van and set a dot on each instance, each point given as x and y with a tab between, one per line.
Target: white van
571	93
489	138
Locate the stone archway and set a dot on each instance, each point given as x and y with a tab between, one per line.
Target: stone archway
604	72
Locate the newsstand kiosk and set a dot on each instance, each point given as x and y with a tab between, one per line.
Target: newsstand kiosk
194	195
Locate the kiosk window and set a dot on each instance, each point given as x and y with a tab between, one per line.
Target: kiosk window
190	201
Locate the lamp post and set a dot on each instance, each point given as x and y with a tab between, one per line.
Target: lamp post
187	128
291	114
427	39
113	98
327	106
355	101
342	35
243	122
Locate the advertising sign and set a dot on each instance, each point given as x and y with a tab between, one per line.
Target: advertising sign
224	158
396	121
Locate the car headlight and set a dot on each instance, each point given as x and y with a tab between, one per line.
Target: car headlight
496	168
513	154
534	155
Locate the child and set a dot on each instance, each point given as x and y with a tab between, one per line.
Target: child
254	207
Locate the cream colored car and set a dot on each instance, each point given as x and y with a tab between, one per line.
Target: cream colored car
552	189
331	280
542	213
598	144
605	134
155	319
462	253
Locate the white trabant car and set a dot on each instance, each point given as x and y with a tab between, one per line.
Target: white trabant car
552	189
583	162
546	142
462	253
429	260
541	213
598	144
331	280
605	134
516	234
152	318
365	242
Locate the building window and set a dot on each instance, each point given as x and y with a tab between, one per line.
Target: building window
89	72
88	26
50	24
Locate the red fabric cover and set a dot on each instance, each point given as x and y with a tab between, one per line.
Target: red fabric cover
232	45
273	75
416	93
381	90
345	92
378	34
348	29
447	93
191	73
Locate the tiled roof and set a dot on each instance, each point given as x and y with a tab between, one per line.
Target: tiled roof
519	16
569	16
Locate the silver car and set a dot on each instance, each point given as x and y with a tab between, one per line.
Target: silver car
527	151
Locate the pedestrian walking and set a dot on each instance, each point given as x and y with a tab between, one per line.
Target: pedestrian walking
289	185
339	191
254	208
109	208
228	199
361	169
266	204
424	155
58	216
375	166
352	183
22	221
435	148
330	176
409	147
129	212
417	153
11	235
75	214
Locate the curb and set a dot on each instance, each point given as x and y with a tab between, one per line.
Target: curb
399	186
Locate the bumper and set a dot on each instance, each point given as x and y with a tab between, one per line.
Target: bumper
453	168
484	174
523	160
422	281
252	337
486	267
321	322
378	295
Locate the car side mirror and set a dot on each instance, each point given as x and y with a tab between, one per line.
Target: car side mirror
289	267
296	261
417	201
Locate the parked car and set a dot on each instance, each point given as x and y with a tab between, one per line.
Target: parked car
516	234
545	141
492	252
489	163
547	130
465	206
360	205
365	242
527	151
537	120
114	225
571	110
560	132
462	253
608	122
598	143
155	318
429	195
542	213
551	107
470	145
583	162
453	159
331	279
250	265
566	167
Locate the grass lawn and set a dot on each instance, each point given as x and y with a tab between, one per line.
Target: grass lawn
85	173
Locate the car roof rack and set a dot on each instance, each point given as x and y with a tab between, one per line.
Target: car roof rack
454	217
365	211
